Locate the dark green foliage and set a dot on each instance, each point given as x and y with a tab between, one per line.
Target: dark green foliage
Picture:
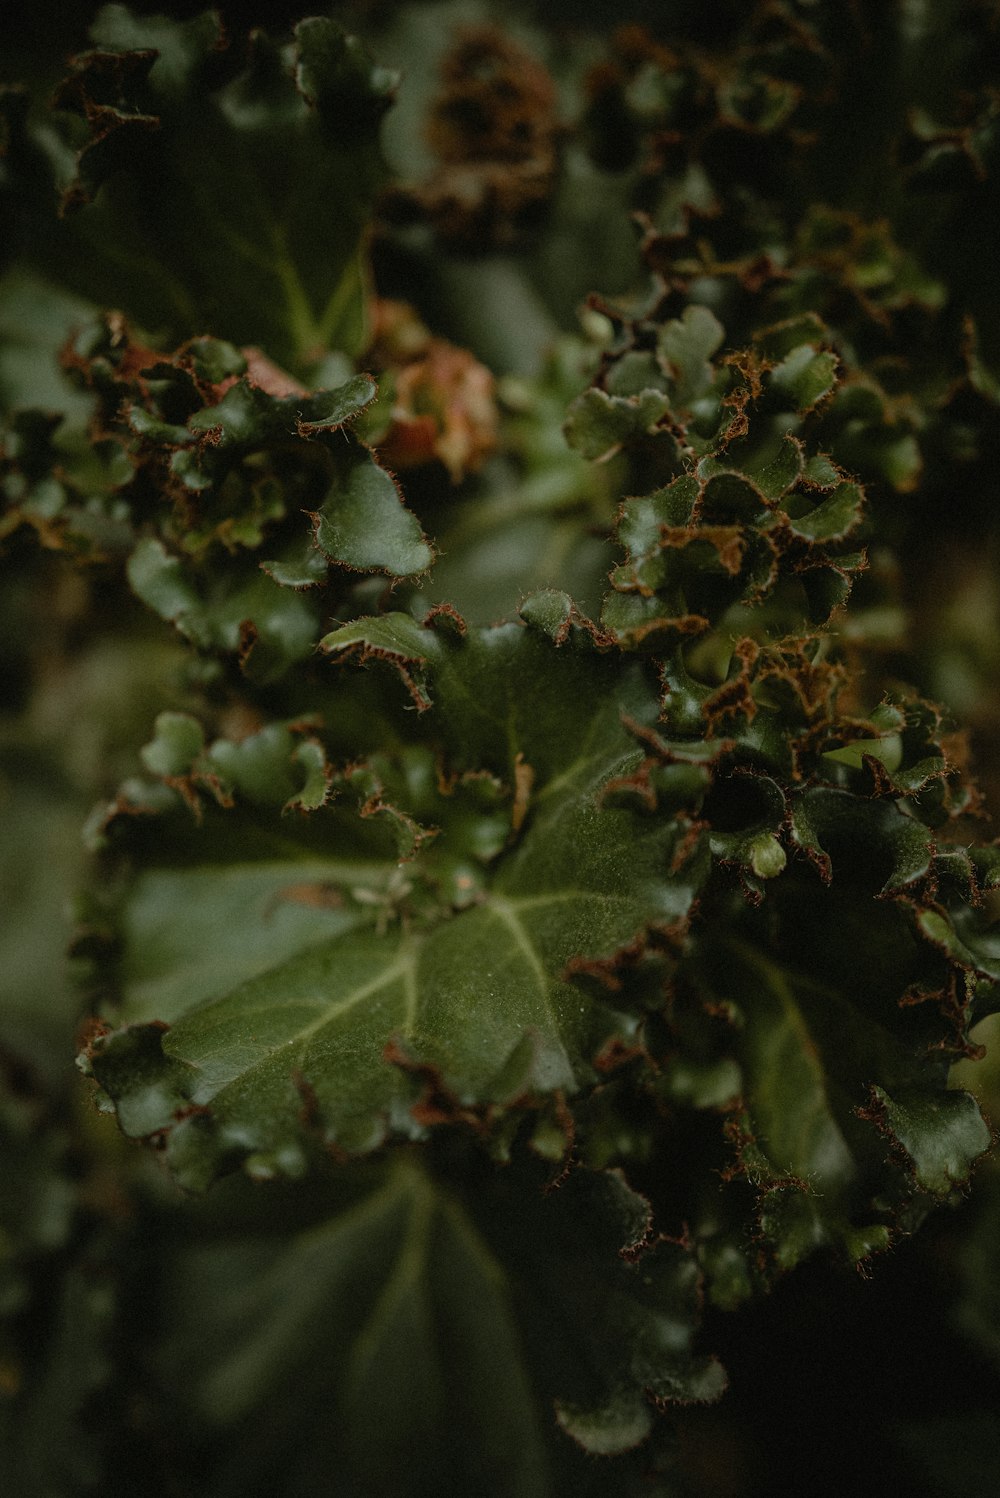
203	192
525	905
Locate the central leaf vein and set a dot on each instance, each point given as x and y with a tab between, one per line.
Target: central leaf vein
505	913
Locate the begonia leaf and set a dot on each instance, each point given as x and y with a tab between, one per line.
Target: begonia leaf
579	883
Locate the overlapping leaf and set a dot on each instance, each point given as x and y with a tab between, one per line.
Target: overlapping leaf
229	488
203	202
439	966
825	1020
458	1326
733	567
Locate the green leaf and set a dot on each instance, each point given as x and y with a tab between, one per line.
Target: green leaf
246	612
429	1334
599	424
875	841
267	767
788	1083
771	460
802	1141
943	1136
478	995
888	751
833	519
247	418
237	210
301	565
192	932
687	345
177	744
806	375
484	994
846	997
336	75
363	523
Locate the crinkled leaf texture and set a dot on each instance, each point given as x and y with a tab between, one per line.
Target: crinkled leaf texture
834	1157
264	495
509	909
237	441
429	1334
263	608
440	967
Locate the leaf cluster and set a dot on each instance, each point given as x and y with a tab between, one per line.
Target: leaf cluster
521	905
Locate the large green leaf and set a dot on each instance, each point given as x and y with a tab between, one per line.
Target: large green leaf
462	958
430	1335
236	210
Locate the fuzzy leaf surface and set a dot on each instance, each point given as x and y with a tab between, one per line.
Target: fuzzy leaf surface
480	987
